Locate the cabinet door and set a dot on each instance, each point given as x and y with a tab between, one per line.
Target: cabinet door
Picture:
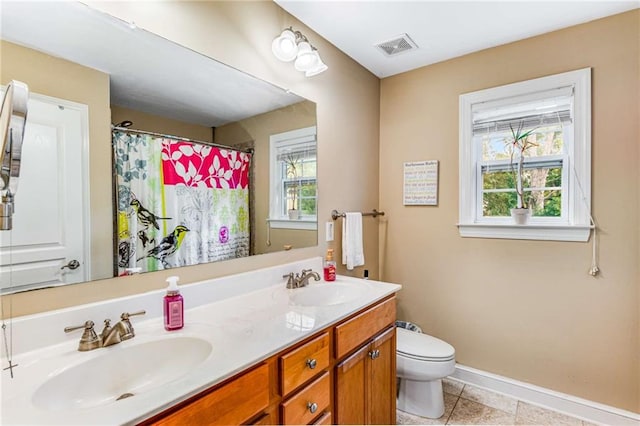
381	363
351	389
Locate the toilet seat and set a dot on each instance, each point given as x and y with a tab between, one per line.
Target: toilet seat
422	347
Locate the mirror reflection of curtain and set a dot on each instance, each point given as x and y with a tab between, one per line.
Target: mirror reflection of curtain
179	203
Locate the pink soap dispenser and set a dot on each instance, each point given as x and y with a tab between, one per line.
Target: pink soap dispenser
173	306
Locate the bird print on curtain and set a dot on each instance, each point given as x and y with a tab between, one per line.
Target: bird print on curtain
179	203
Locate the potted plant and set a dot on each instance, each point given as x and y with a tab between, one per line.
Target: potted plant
292	161
518	145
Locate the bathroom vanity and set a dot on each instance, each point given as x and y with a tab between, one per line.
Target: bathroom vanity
344	374
252	351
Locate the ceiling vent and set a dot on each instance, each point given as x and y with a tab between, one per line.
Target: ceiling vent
398	44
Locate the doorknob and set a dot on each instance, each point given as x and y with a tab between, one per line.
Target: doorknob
73	264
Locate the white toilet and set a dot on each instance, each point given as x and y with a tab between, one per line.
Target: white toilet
422	361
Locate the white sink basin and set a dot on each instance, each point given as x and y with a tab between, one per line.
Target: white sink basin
324	294
121	372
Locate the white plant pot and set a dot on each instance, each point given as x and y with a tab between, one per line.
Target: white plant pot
520	216
294	214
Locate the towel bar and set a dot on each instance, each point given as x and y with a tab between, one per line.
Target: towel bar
335	214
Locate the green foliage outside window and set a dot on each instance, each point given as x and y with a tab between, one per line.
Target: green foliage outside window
546	203
499	193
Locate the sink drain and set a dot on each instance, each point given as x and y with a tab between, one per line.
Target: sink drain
124	395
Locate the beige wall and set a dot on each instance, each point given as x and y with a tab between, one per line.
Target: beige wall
523	309
258	129
158	124
240	34
47	75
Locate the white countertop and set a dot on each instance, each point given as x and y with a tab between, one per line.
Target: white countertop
245	323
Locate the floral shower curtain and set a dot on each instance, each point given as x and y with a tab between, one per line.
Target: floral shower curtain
179	203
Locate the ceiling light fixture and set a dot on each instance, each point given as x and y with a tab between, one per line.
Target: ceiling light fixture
290	45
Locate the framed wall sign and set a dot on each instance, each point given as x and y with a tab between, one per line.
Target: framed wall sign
421	183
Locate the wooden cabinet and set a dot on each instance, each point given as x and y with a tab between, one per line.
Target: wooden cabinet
325	419
297	367
309	403
381	369
351	389
344	374
233	403
300	365
355	331
365	380
365	383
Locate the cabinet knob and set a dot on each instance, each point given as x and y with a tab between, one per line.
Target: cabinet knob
311	363
312	406
374	354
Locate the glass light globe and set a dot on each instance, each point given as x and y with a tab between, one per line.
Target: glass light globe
307	57
284	46
319	68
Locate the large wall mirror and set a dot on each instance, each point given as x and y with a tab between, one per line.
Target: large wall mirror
88	72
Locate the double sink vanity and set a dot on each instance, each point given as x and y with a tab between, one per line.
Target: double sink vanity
251	351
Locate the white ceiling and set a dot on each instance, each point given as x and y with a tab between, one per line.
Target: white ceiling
441	29
146	72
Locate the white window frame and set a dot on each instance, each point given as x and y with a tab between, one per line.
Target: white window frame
575	224
276	142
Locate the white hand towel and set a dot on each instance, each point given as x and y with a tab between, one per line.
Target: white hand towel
352	251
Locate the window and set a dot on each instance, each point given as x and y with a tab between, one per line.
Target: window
293	170
556	168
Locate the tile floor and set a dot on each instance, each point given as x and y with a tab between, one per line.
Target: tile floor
468	405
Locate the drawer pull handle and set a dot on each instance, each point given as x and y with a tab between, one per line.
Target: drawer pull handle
312	406
311	363
374	354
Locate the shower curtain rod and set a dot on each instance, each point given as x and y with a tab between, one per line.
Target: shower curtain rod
217	145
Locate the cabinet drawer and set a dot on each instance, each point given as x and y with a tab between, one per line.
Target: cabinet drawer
302	364
232	404
300	408
265	419
357	330
325	419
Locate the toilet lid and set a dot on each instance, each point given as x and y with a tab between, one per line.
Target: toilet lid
422	346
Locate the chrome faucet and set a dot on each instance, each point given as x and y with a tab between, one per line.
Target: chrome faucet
89	340
123	330
291	280
306	274
298	280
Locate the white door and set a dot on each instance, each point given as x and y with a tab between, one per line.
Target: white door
50	221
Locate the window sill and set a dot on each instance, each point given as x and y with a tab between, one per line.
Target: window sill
310	225
544	232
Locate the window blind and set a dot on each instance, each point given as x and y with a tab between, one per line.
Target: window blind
296	155
527	111
526	122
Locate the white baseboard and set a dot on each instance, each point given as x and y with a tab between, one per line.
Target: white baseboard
590	411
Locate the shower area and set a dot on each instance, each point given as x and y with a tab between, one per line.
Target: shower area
178	202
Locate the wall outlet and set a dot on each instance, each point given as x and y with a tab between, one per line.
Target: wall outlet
329	231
